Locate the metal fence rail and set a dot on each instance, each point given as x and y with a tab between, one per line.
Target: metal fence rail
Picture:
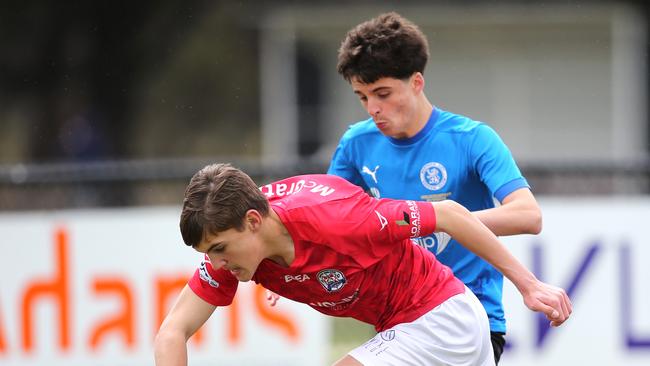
162	181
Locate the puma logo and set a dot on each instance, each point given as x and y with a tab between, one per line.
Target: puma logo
372	173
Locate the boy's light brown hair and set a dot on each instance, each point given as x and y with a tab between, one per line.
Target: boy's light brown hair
217	199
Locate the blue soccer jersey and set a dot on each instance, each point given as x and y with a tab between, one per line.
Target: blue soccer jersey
453	157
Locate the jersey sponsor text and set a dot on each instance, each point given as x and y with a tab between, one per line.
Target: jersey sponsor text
298	277
283	189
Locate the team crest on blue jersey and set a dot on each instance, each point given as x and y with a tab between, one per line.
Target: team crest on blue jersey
433	175
331	279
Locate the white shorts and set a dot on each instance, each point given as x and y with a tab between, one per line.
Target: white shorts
456	332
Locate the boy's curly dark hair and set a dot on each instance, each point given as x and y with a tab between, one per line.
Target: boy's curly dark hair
386	46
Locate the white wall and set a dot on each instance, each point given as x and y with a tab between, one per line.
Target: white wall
557	81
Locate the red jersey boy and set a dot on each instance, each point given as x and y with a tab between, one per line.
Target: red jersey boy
319	240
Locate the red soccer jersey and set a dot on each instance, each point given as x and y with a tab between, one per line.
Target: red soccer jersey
353	255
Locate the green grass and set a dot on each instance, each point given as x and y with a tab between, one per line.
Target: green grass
347	334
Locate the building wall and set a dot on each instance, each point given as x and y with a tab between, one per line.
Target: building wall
556	82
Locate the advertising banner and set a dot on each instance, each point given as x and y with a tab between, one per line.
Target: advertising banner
597	249
92	287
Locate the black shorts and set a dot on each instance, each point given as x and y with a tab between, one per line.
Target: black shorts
498	341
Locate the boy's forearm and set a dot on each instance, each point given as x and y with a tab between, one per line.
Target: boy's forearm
465	228
184	319
458	222
518	213
505	221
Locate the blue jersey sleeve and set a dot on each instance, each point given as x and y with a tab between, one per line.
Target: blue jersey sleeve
342	166
494	163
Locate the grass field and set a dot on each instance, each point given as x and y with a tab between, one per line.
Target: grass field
347	334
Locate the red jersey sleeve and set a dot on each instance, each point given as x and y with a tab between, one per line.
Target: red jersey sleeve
215	287
396	220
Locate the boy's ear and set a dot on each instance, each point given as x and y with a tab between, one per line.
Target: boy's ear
418	82
253	219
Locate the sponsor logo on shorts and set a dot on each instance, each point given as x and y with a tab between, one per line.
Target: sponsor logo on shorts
387	335
332	279
433	176
376	345
205	275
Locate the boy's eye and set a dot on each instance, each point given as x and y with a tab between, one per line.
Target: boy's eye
218	249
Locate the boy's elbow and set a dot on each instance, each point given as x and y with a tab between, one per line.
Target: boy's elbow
450	213
166	338
534	222
162	340
453	206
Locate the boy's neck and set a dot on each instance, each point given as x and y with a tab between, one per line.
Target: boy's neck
280	244
421	115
